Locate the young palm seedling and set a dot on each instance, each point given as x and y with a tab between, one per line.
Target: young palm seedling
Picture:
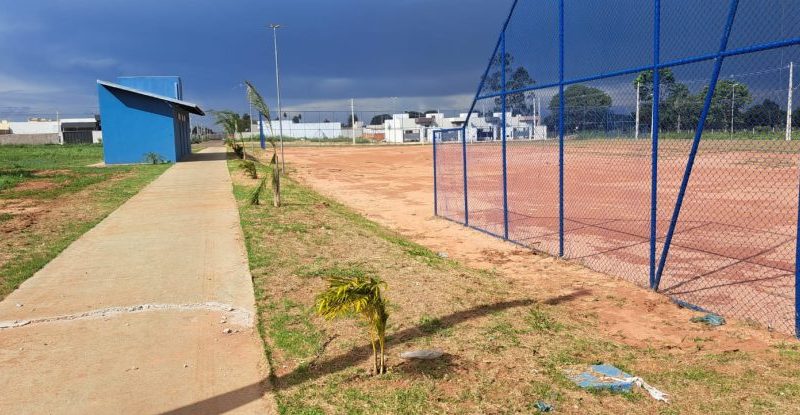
250	168
260	105
255	197
361	296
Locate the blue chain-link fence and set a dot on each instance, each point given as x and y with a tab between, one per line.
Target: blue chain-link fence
564	151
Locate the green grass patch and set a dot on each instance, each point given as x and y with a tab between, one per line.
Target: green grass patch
292	331
64	169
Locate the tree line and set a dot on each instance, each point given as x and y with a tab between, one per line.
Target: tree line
590	108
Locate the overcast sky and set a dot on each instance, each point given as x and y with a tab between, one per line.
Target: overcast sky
431	51
427	53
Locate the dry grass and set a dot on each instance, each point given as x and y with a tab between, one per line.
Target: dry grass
49	198
505	347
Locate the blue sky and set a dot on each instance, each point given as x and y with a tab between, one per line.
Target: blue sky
427	53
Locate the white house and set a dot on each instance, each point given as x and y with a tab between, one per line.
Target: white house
403	129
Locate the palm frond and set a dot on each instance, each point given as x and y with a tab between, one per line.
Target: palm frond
255	197
258	102
250	168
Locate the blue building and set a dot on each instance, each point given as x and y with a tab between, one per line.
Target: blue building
142	115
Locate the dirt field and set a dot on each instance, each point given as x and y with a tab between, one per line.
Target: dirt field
733	248
394	186
509	332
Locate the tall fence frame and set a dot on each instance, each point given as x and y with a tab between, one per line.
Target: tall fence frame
456	146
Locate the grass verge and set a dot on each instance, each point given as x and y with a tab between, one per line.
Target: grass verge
505	349
49	198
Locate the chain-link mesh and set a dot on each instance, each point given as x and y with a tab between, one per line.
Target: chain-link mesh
566	151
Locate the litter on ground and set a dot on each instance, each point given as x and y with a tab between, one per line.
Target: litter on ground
709	319
608	377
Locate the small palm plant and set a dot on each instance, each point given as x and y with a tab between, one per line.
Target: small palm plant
255	197
229	121
359	295
249	167
260	105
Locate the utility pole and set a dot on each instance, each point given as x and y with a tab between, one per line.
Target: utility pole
275	28
789	104
353	120
636	133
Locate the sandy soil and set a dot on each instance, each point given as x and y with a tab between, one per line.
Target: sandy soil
393	186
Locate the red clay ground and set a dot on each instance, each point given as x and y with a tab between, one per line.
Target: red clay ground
393	185
733	249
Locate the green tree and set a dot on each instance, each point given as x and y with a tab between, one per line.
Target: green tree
243	123
516	78
680	110
587	108
379	119
645	82
229	121
359	295
261	106
348	122
766	114
726	93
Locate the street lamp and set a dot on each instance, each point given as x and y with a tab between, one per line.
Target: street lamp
275	28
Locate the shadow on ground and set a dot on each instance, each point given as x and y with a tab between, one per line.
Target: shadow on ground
238	397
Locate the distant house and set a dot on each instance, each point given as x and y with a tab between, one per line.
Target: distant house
80	130
145	115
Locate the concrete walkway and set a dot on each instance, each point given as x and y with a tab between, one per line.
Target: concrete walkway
133	317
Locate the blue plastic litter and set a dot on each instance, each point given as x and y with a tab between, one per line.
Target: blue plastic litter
604	376
543	406
709	319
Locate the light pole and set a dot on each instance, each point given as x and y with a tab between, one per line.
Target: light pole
275	28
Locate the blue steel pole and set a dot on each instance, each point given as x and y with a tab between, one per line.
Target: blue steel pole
734	4
261	131
503	132
435	193
797	272
489	66
464	164
561	128
654	155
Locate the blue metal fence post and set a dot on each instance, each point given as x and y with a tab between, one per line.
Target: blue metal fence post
261	131
464	164
561	128
733	6
503	132
654	138
435	192
797	271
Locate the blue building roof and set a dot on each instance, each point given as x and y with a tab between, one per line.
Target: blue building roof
188	106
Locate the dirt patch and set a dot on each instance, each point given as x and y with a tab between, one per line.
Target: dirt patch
32	185
45	219
54	172
395	189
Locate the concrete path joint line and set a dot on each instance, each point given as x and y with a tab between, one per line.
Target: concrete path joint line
234	316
